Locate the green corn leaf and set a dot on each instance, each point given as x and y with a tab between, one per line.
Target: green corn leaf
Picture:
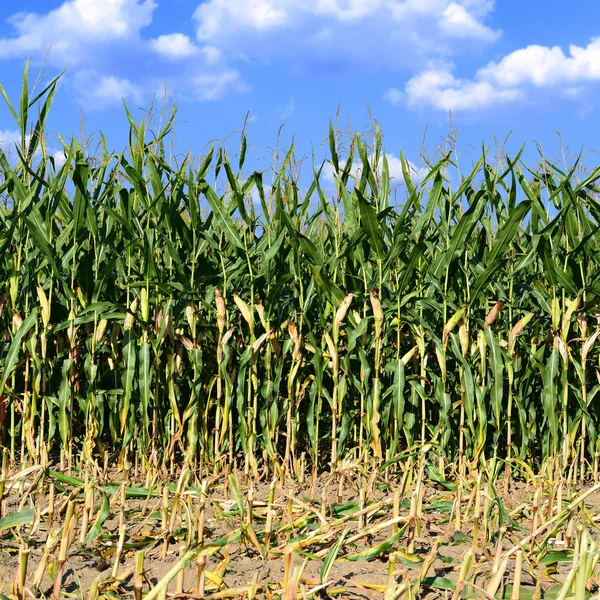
332	149
331	556
382	548
509	230
15	347
497	369
96	527
237	493
222	215
465	227
370	224
439	583
484	279
17	519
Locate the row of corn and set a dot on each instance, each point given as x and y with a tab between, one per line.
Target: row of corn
180	311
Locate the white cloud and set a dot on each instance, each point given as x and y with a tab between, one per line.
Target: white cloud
397	32
212	55
174	45
74	25
101	42
508	80
394	96
215	86
459	22
440	89
214	15
542	66
101	91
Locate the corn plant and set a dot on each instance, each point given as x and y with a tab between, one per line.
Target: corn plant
187	313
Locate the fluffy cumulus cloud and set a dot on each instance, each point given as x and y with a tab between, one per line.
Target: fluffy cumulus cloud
396	32
76	25
513	77
441	89
459	22
543	66
178	46
102	43
174	45
101	91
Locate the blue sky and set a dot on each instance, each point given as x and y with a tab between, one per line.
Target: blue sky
531	68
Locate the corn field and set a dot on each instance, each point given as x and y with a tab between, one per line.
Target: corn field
188	313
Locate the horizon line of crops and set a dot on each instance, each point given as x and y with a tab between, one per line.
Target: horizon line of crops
147	312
